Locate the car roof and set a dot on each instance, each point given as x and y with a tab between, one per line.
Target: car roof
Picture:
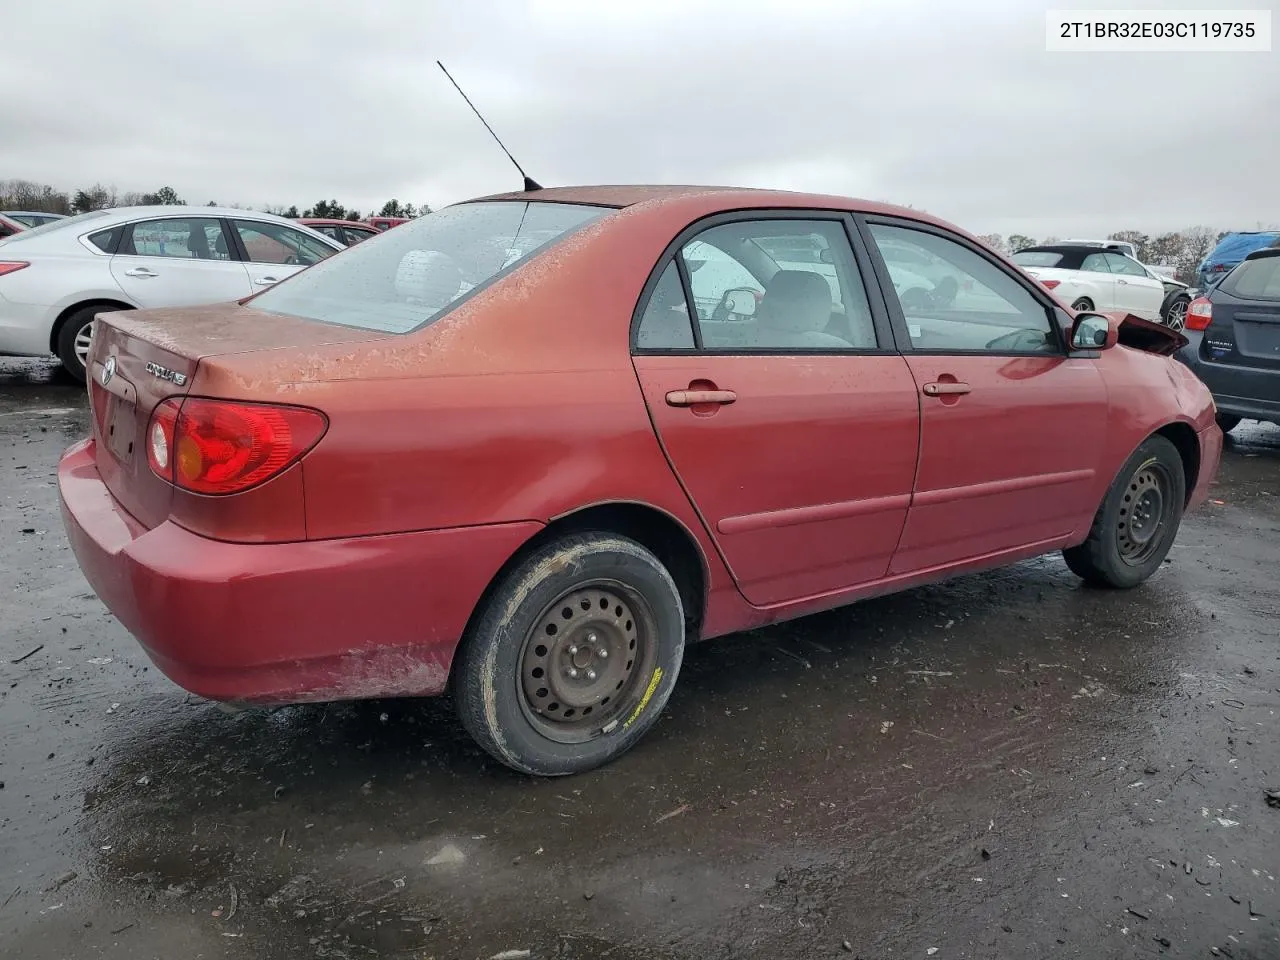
32	213
1072	253
332	222
729	198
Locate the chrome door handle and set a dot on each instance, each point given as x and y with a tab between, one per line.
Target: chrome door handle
688	398
142	273
1125	282
265	281
945	389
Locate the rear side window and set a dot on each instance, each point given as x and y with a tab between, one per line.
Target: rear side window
1254	280
422	269
107	240
666	324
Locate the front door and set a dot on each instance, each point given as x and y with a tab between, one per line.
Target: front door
783	409
273	251
1136	291
178	263
1012	429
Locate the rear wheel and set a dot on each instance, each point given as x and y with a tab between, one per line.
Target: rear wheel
74	340
573	657
1227	422
1137	522
1082	305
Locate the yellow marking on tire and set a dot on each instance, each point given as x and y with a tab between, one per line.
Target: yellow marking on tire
644	701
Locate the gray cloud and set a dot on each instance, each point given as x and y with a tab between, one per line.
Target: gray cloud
954	108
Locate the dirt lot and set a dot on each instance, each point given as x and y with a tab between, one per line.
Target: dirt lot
1009	765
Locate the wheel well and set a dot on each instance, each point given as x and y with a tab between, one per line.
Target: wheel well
75	308
1188	445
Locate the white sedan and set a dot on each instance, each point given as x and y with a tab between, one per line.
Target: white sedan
1092	279
55	278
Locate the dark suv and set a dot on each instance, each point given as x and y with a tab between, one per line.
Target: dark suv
1234	340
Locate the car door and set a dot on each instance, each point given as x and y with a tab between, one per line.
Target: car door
1101	282
274	251
1011	426
178	261
780	402
1136	291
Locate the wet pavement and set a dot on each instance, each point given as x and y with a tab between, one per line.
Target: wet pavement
1008	765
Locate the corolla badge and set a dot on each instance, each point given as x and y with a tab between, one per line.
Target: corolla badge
108	370
164	373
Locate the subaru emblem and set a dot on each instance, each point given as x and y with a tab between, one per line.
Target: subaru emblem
108	370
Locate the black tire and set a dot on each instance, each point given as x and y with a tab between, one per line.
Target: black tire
1174	310
1082	305
524	725
71	329
1123	549
1227	422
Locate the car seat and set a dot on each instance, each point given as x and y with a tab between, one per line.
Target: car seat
795	312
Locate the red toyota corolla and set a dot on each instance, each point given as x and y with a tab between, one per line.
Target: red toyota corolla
530	446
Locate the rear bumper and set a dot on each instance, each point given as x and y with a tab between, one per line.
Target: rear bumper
283	623
25	329
1240	391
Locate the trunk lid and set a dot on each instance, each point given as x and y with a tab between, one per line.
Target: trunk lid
1245	326
141	357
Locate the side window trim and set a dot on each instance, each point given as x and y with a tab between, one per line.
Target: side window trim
686	286
886	290
886	335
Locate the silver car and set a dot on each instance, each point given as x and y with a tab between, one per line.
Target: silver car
55	278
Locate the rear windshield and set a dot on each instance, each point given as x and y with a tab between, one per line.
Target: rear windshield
1037	258
405	278
1254	280
63	224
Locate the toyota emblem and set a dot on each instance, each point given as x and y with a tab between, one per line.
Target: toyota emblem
108	370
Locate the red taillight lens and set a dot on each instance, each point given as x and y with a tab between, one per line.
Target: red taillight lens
220	446
1049	284
1199	314
9	266
1218	268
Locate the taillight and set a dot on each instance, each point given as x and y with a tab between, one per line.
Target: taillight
1049	284
1199	314
221	446
9	266
1218	268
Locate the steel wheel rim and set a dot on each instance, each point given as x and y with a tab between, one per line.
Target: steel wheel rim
1143	514
84	340
1177	318
586	662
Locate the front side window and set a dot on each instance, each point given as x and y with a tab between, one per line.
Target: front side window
418	272
778	285
1123	265
196	238
276	243
988	311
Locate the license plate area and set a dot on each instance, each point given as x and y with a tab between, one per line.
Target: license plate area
115	406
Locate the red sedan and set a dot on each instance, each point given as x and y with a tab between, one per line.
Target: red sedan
529	447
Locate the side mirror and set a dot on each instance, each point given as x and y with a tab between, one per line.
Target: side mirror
740	301
1093	331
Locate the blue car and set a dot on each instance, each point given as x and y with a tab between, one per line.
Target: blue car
1231	249
1233	340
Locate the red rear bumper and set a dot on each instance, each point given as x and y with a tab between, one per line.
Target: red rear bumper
279	623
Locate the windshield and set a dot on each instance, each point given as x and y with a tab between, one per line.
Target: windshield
1254	279
1037	258
406	278
57	225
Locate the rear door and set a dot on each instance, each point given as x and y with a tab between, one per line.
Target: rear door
273	251
781	404
1002	463
178	262
1136	291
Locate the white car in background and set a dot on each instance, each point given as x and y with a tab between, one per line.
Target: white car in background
1089	278
55	278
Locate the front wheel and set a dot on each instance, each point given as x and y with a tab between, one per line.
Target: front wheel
1175	312
573	657
1137	522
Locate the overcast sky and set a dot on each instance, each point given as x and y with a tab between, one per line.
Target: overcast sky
953	107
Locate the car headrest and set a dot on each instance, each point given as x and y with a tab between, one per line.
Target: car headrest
428	276
796	300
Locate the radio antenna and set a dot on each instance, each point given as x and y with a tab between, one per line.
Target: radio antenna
529	183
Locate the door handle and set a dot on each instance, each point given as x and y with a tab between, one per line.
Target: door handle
265	281
1125	282
944	389
142	273
688	398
